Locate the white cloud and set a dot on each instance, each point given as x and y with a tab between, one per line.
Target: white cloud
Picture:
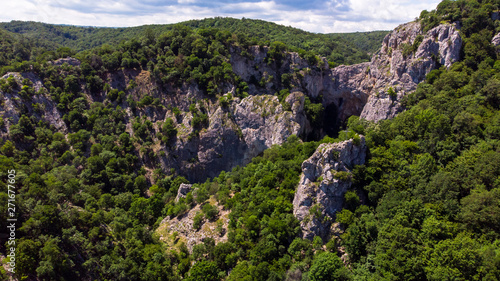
326	17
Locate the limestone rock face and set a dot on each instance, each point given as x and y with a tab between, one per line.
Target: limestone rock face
183	190
40	105
324	180
397	69
496	42
264	123
243	128
235	135
338	86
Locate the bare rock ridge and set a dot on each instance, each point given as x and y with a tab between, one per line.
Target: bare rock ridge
324	180
183	190
403	62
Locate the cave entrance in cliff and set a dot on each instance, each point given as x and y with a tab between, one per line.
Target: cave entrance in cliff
331	121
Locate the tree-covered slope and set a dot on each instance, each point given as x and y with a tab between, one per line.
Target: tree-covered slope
338	48
368	42
89	144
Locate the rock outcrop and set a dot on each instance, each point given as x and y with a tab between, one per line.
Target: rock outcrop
403	62
177	230
324	180
235	135
496	42
69	61
34	101
183	190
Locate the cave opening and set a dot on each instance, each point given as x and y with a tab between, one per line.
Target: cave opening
331	121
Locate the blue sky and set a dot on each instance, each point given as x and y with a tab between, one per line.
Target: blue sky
324	16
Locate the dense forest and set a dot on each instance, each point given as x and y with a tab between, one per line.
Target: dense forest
90	200
341	48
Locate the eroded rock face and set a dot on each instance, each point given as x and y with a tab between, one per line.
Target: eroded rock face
183	190
361	89
324	180
235	135
339	86
496	42
177	230
39	104
396	70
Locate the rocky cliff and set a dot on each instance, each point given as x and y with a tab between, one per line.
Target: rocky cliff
496	42
324	180
235	134
373	89
404	60
238	129
32	100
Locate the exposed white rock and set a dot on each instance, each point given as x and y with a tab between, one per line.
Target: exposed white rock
496	42
322	185
392	69
177	230
40	103
264	122
183	190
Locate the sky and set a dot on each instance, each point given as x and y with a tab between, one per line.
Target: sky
321	16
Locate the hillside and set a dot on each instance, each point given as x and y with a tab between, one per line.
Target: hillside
338	48
368	42
196	154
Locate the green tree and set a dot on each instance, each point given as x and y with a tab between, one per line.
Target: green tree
326	267
210	211
203	271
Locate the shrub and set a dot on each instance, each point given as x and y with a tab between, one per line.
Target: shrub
342	175
416	42
391	92
210	211
197	220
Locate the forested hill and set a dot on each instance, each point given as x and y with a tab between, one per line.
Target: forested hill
354	46
340	48
365	41
196	155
